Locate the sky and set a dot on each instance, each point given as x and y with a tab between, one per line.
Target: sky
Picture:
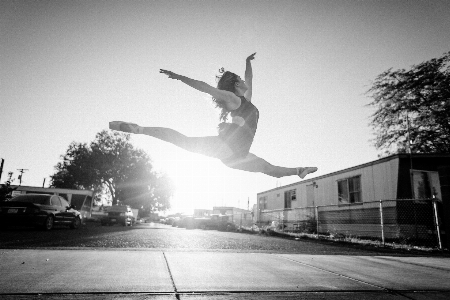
68	68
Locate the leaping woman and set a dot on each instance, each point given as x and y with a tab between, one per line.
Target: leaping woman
232	144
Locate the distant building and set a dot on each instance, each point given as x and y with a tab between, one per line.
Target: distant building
228	210
200	213
240	217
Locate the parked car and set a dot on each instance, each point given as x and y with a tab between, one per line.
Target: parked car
175	221
119	214
169	220
184	221
146	220
188	223
219	222
39	210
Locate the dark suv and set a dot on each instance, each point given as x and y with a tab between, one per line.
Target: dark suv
219	222
119	214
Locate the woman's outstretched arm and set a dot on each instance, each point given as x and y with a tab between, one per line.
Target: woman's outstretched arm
249	76
232	101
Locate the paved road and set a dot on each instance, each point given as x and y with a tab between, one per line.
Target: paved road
159	262
157	236
154	274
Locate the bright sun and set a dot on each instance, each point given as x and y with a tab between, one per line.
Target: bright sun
198	179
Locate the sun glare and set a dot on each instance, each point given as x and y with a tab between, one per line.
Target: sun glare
197	183
199	180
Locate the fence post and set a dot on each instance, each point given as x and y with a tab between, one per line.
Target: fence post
317	220
281	219
436	220
382	222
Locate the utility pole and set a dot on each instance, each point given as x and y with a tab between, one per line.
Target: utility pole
20	176
1	167
411	172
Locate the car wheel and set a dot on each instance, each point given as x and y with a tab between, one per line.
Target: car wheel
48	224
76	223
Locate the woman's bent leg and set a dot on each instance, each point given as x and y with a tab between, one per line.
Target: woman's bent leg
253	163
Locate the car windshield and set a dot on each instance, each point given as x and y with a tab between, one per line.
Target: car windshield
37	199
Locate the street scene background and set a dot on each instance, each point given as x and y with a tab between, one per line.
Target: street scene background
70	67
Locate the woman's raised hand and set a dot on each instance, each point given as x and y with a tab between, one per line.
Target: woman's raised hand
171	74
251	57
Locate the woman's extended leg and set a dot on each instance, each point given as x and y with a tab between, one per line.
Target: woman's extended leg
253	163
211	146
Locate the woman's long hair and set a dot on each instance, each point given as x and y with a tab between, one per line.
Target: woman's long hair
226	82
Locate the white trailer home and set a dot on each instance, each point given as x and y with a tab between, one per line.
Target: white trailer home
348	201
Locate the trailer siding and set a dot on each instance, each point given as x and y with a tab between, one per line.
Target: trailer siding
378	181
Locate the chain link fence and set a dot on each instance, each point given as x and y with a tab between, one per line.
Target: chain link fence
410	221
243	221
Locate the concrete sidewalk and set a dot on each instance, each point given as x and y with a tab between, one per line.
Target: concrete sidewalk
147	274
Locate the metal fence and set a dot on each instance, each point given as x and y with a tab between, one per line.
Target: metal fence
410	221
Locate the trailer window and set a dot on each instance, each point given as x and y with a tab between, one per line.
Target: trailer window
263	202
289	196
349	190
426	185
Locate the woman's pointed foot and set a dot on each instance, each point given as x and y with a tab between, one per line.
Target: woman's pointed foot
302	172
126	127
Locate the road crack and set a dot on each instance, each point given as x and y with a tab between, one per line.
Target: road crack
177	296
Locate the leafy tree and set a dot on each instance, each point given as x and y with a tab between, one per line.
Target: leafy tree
413	108
111	162
6	190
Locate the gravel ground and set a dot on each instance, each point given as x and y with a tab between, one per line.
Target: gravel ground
157	237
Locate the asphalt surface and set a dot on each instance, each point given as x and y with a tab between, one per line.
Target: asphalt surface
158	236
153	261
154	274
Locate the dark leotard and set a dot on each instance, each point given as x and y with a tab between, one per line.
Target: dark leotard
240	138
